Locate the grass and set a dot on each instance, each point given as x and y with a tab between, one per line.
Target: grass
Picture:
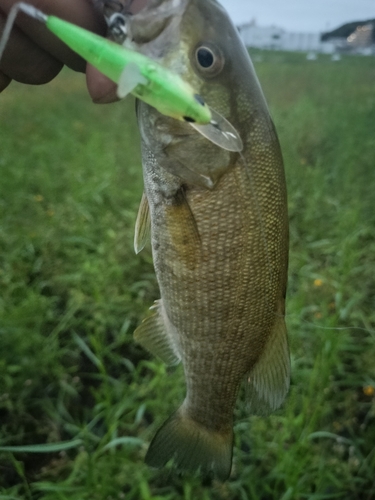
72	292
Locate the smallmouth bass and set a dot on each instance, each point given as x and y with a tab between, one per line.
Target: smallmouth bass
219	233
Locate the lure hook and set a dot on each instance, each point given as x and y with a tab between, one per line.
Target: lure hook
118	27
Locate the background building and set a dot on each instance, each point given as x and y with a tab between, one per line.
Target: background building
356	37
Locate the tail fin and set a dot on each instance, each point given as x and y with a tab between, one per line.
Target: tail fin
192	446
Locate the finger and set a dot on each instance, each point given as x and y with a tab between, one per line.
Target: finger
4	81
102	90
80	12
25	62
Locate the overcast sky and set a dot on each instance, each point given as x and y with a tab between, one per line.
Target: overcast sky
300	15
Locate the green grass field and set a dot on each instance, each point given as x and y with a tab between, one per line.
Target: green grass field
72	292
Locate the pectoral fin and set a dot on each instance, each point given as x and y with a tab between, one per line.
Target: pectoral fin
130	78
156	334
268	382
183	231
142	225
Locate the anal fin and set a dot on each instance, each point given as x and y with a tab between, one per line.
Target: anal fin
156	333
268	382
142	225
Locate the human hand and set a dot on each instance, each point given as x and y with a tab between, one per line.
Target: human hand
35	56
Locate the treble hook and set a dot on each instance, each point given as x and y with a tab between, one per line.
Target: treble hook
116	14
117	27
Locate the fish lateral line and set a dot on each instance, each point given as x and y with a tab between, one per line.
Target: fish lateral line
137	74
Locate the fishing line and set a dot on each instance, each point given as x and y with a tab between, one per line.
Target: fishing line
338	328
27	9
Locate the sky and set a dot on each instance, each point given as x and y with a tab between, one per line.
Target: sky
300	15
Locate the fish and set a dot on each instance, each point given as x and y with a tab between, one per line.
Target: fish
218	225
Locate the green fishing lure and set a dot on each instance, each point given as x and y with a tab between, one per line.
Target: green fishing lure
137	74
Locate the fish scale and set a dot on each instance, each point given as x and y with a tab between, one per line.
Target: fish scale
220	253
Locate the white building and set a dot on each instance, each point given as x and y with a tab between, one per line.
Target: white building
274	38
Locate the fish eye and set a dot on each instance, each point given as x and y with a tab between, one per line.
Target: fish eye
205	57
209	59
